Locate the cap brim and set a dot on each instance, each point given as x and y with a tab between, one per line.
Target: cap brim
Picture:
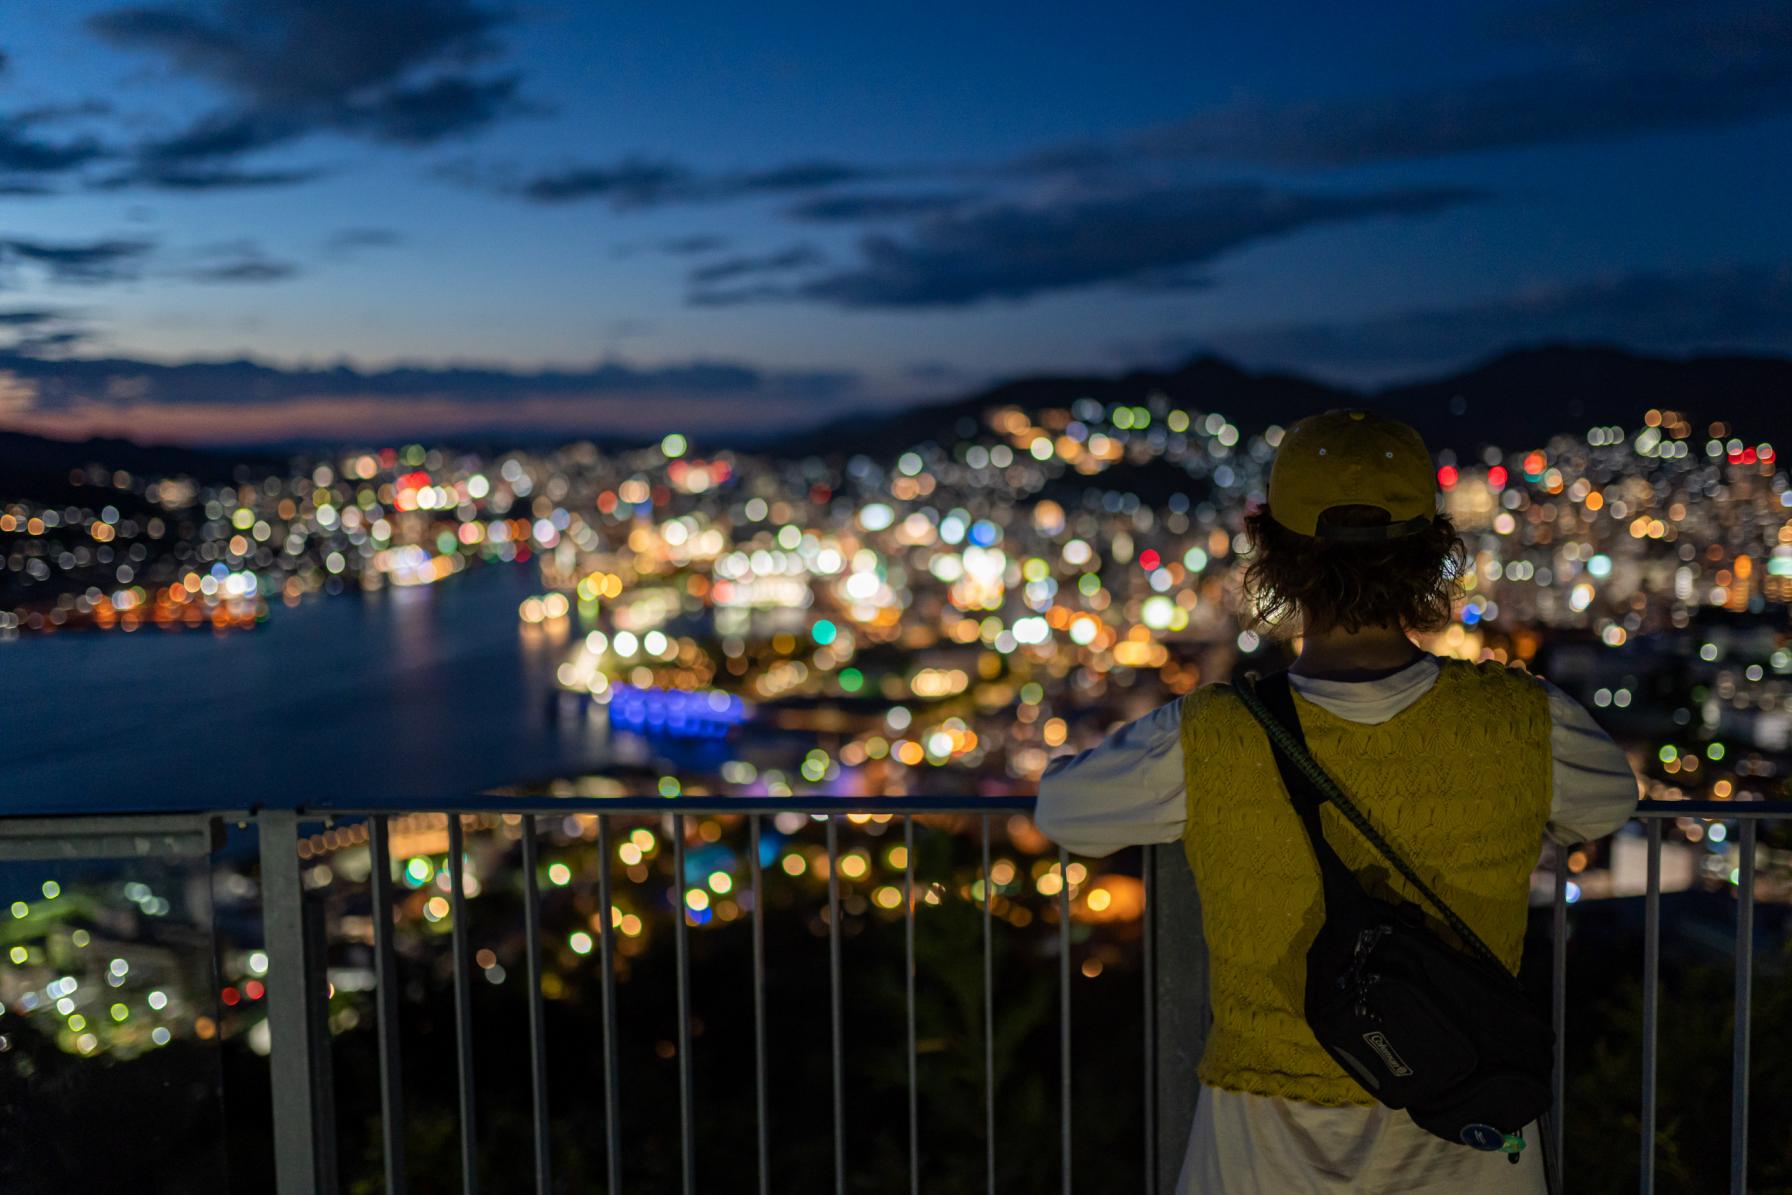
1376	533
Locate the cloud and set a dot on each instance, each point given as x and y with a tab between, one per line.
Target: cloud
23	153
436	110
690	246
1622	69
630	183
352	240
862	207
793	258
102	382
796	176
248	269
1737	307
36	331
206	178
78	262
223	134
397	71
59	113
637	182
26	317
306	55
236	261
1152	237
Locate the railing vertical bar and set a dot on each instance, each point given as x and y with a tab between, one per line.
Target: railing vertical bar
323	1066
607	959
1148	949
385	964
1651	1008
835	1010
1558	1010
538	1041
1745	975
989	1020
914	1085
463	1006
291	989
1064	1015
760	1101
681	939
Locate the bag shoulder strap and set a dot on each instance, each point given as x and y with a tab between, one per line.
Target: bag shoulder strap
1271	701
1342	888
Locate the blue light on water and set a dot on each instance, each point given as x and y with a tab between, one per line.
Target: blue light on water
706	714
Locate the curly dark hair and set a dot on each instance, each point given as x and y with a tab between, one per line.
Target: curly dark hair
1411	581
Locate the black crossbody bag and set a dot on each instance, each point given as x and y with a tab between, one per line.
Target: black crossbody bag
1446	1034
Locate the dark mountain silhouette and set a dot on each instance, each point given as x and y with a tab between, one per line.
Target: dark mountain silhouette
1516	399
1527	395
1207	382
48	470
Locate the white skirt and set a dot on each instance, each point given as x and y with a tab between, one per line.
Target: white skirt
1260	1145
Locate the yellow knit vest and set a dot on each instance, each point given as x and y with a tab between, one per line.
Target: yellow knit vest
1459	783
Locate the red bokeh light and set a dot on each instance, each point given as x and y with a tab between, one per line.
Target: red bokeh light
1149	559
1496	477
1446	477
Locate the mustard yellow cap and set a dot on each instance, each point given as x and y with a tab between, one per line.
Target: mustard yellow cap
1352	458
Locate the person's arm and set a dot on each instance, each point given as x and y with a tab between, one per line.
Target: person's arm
1125	791
1595	789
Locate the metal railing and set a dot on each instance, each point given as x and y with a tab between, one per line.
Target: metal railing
1748	815
1173	966
303	1159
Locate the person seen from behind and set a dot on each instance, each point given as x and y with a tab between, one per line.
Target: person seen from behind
1460	766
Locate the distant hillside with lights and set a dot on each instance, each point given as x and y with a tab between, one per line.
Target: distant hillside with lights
1516	399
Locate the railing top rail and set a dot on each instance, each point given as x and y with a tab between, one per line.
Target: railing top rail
1758	810
649	803
653	803
535	803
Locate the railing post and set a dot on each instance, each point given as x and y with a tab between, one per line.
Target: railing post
1179	975
1148	969
538	1035
1745	976
292	1027
1651	1004
385	956
1065	1072
989	1019
463	1006
607	960
323	1069
1552	1123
